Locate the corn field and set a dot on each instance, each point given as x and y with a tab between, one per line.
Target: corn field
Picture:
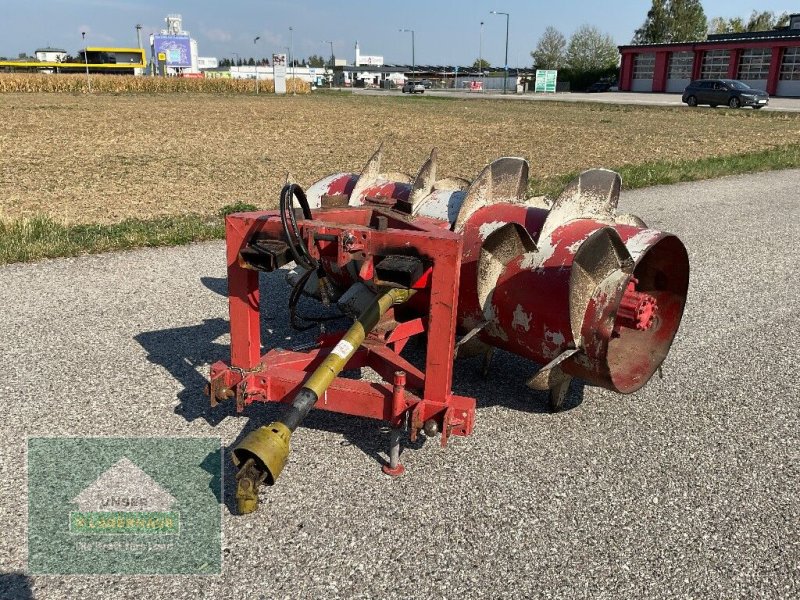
123	84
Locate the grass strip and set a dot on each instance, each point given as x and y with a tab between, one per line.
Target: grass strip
667	172
25	240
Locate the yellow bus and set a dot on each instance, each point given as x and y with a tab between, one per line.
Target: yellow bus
99	59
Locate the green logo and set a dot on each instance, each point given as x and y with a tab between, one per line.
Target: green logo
124	505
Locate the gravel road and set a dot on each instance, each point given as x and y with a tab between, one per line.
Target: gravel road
687	488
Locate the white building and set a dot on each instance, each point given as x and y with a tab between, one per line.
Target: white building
50	54
313	75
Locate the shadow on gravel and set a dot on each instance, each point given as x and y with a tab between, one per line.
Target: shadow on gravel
16	586
187	352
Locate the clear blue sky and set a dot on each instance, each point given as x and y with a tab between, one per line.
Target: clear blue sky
447	31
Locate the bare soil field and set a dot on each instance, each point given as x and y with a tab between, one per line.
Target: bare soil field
103	158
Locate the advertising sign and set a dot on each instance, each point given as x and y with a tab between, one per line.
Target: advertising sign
545	81
176	48
279	70
371	61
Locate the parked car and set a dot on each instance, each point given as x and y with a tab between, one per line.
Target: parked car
732	92
599	86
427	83
413	87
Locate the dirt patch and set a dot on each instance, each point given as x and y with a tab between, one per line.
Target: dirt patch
103	158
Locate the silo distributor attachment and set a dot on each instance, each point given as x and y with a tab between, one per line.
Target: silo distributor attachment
263	453
570	284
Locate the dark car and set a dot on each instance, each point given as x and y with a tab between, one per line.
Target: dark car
599	86
732	92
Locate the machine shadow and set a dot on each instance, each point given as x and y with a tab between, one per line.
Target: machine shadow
187	352
16	586
503	384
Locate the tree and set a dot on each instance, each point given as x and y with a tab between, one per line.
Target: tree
316	61
481	64
655	29
672	21
689	22
591	50
759	21
722	25
251	61
550	52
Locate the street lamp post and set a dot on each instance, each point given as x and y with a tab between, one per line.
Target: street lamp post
505	76
413	58
330	81
291	59
258	37
480	50
86	60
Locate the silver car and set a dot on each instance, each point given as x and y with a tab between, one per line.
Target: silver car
413	87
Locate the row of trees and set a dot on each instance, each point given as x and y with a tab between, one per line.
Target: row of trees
685	21
312	61
588	56
759	21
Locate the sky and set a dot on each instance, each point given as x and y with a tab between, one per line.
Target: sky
446	31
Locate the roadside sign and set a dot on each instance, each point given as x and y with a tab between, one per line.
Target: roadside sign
545	80
162	57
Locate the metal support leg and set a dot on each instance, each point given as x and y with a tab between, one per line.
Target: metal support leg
394	468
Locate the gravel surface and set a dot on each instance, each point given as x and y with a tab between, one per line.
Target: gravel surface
688	488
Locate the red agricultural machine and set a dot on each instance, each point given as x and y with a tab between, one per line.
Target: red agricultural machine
569	284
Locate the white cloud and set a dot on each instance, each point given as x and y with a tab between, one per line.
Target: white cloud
215	34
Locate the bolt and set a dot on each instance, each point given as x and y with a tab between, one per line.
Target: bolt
430	427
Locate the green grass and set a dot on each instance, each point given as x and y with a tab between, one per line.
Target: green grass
26	240
667	172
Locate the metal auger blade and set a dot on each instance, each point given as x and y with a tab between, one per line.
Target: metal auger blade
593	194
369	175
504	180
629	219
424	181
500	247
600	255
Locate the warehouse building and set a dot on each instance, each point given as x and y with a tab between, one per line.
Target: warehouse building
767	60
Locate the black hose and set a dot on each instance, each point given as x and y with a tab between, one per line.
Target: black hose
301	255
290	228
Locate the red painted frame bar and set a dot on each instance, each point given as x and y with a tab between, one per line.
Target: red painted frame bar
276	376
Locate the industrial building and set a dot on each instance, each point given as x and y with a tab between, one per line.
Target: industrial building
767	60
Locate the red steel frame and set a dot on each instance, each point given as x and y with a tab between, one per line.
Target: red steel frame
406	391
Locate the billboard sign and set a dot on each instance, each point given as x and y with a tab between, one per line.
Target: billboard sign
545	81
371	61
176	48
279	72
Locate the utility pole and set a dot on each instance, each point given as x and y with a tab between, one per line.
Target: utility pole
139	35
86	60
330	81
258	37
505	76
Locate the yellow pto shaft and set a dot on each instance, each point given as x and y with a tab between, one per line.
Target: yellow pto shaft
262	454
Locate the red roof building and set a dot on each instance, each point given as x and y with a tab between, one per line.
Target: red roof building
767	60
